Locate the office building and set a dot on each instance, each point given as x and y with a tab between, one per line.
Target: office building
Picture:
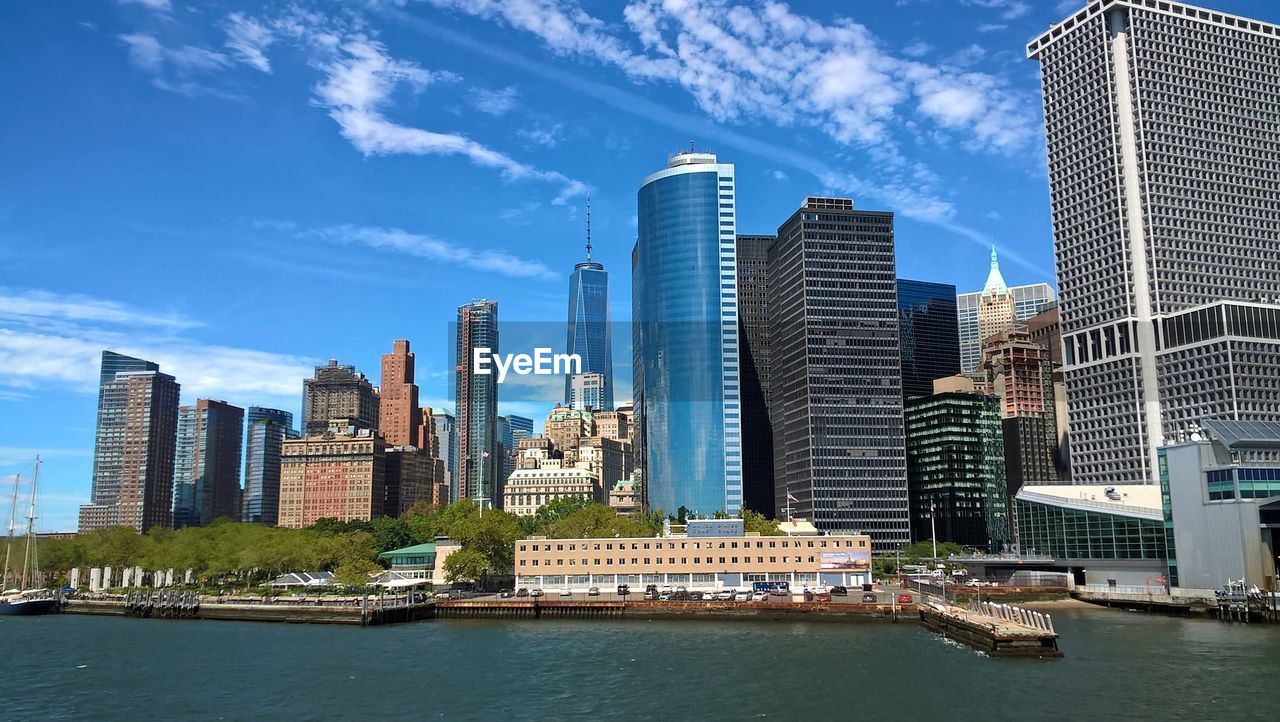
337	474
609	460
528	490
133	458
1163	128
753	351
685	336
928	334
836	387
399	416
588	330
703	563
566	428
614	425
990	309
446	426
206	471
476	399
955	469
1019	374
266	431
338	392
587	392
408	478
624	497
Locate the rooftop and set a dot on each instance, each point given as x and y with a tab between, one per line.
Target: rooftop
1142	500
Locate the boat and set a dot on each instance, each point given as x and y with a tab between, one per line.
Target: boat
21	601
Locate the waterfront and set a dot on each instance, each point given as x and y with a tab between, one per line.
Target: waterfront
1117	664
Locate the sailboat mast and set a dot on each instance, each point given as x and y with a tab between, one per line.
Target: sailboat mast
30	563
13	518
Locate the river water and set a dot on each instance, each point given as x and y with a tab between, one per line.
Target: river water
1117	665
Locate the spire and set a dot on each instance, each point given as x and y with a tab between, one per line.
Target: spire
995	281
589	227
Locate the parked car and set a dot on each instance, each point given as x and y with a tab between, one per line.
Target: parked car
651	588
780	592
822	597
457	594
840	591
506	594
522	592
905	599
593	592
680	596
566	592
535	593
696	596
975	583
869	598
664	596
442	595
727	595
681	589
623	590
759	596
651	594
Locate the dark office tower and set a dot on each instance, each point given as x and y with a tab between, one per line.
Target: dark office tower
133	456
1163	128
398	410
476	398
338	392
206	470
588	334
836	382
753	350
685	327
928	334
955	468
266	431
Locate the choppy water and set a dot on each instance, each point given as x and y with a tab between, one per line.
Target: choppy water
1117	665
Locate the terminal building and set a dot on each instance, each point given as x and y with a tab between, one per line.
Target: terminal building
700	559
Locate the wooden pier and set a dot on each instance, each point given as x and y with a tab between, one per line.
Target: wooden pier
998	629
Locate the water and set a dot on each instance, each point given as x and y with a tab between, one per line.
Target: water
1117	665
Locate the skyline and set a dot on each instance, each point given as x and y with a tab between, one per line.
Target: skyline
239	143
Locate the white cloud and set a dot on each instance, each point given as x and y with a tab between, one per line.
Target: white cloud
423	246
548	136
17	306
360	78
1006	9
18	456
177	69
992	27
249	40
494	102
779	175
161	5
916	49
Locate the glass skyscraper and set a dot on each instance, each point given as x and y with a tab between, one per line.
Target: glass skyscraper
267	430
447	432
685	314
928	335
206	471
588	333
753	351
476	399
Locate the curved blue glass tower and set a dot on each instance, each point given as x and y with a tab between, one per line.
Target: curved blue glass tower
685	310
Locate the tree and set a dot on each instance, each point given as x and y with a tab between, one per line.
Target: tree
466	565
555	510
756	522
391	533
355	573
494	535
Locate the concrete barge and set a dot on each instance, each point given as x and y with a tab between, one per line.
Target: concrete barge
999	630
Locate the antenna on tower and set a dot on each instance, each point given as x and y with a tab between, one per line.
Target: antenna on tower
588	226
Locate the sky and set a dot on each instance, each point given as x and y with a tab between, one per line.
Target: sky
241	191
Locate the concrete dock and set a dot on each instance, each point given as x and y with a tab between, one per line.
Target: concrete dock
353	610
1000	630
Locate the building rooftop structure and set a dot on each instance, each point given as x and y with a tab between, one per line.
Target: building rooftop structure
1125	499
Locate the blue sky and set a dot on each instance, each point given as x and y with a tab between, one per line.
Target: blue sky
242	191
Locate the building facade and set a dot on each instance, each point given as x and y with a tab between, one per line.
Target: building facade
566	428
1164	185
928	333
399	416
206	472
685	336
447	432
408	478
266	431
588	331
955	469
836	387
339	474
614	425
476	400
1027	302
134	449
588	392
338	392
527	490
753	352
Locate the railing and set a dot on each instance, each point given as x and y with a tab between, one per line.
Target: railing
1014	615
1111	507
1124	589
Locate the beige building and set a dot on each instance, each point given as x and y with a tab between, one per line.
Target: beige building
614	425
695	562
623	496
528	489
567	427
608	459
339	474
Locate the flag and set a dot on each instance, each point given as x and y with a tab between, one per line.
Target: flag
791	498
485	454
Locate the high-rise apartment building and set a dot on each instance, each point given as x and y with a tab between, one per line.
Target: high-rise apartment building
206	470
137	428
408	478
446	426
339	473
928	334
836	387
753	352
1163	129
476	399
588	331
338	392
588	392
266	431
993	310
955	465
685	336
399	416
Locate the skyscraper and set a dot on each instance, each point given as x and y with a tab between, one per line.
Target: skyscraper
984	313
266	430
338	392
206	473
476	398
398	411
928	334
134	447
339	473
685	316
836	387
588	392
753	351
447	432
588	331
1163	129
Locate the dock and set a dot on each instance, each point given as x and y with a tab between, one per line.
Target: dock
360	611
1000	630
655	610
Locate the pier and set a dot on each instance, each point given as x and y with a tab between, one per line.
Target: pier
649	610
1000	630
158	604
